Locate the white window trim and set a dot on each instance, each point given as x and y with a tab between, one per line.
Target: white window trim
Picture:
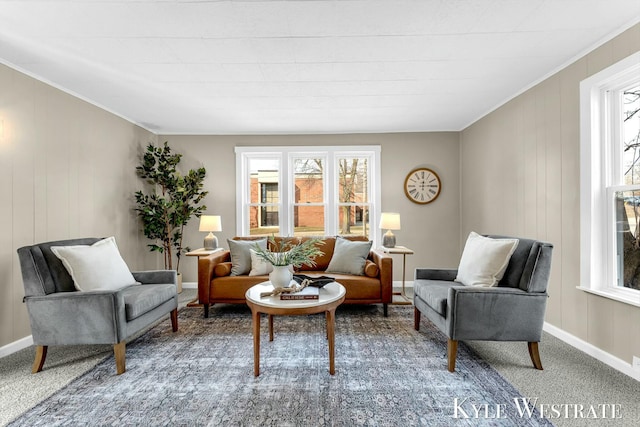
596	207
284	154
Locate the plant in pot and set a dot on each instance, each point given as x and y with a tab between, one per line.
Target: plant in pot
173	199
286	256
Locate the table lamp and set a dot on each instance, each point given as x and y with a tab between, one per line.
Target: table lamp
389	221
210	223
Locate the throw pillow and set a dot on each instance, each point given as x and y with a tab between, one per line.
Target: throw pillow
349	257
240	255
259	267
95	267
371	269
484	260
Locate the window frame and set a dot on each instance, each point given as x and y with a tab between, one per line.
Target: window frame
600	178
286	156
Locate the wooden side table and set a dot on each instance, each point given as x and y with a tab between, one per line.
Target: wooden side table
404	251
198	253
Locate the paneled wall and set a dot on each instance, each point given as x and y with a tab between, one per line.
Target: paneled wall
67	169
431	230
520	169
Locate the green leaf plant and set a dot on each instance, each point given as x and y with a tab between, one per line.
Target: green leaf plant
173	200
290	253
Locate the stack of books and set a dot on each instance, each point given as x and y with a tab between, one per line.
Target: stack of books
310	292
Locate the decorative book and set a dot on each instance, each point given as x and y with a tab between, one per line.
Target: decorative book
310	292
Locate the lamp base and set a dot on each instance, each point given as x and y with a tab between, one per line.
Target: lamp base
210	242
388	240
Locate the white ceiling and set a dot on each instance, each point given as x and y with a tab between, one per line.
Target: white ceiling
302	66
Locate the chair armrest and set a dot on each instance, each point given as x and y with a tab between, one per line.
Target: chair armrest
495	313
79	318
384	261
206	267
156	276
436	274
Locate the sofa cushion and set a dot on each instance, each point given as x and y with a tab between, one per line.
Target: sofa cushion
358	287
259	266
322	261
240	255
95	267
371	269
349	257
222	269
484	260
139	300
434	293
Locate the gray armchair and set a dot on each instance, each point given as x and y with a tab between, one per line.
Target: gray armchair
512	311
60	315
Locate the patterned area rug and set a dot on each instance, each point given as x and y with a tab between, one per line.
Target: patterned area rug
387	374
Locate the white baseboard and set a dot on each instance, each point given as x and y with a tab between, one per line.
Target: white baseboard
16	346
593	351
190	285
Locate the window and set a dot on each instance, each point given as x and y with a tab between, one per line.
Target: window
610	182
307	191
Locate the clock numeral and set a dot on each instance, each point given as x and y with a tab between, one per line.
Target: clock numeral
432	191
413	191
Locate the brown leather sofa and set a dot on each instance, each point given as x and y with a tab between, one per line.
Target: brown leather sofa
216	285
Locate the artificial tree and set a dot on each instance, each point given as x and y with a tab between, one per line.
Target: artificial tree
173	200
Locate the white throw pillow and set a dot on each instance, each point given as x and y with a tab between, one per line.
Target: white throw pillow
259	267
484	260
95	267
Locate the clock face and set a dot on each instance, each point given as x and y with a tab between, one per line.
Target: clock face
422	186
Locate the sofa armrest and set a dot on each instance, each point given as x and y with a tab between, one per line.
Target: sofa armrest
384	262
495	313
206	267
436	274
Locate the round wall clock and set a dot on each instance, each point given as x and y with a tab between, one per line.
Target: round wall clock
422	186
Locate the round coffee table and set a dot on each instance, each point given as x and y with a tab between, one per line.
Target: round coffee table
331	296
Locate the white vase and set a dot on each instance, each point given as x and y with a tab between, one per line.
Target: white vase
281	276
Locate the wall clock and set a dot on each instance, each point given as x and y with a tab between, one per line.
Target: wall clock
422	186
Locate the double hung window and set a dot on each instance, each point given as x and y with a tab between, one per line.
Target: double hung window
610	182
308	190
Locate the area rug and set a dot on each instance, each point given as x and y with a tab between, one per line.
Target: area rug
387	374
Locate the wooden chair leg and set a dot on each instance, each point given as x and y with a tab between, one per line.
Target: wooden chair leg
174	320
416	318
452	350
119	351
41	355
535	355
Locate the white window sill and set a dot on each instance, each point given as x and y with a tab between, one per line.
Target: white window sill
623	296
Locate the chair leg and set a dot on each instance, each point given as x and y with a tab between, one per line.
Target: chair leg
416	318
174	320
535	355
41	355
452	350
119	351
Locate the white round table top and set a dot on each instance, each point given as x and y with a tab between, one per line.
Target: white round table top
328	293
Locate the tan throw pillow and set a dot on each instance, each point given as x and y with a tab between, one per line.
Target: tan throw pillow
371	269
484	260
222	269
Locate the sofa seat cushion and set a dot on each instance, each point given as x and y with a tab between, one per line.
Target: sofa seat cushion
234	287
140	299
358	287
434	293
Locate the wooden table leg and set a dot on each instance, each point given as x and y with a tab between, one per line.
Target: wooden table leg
331	335
255	318
271	327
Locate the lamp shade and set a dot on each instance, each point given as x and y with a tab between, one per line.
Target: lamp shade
210	223
390	221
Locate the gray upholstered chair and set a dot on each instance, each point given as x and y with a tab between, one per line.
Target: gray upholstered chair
512	311
61	315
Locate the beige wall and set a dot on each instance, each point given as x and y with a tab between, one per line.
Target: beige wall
431	230
67	169
520	170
